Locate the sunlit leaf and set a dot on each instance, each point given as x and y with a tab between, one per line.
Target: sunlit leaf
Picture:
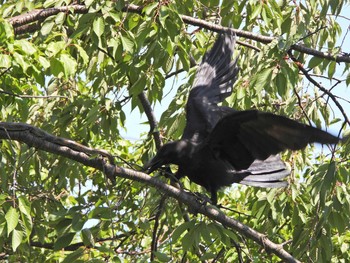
127	43
99	26
17	236
12	217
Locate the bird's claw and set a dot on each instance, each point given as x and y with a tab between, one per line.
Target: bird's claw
202	198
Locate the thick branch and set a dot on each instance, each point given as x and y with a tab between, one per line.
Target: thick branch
42	140
39	139
40	14
37	15
246	34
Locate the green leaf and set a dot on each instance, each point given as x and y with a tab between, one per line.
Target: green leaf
77	221
44	62
24	208
138	86
116	16
205	233
6	30
17	237
56	67
69	65
183	58
127	43
148	9
49	3
231	234
331	69
26	46
256	10
99	26
72	257
261	78
347	81
63	241
161	256
325	243
60	18
87	237
82	29
327	182
181	228
5	61
281	84
314	61
12	217
286	25
20	61
83	54
54	48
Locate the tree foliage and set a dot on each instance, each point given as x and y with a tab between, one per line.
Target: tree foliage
70	69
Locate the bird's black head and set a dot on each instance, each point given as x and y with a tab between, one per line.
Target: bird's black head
172	152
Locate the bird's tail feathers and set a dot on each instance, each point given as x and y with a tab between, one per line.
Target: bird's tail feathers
270	173
273	184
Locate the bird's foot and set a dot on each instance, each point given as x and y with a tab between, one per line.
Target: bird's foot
202	198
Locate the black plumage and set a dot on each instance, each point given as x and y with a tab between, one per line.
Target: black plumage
220	145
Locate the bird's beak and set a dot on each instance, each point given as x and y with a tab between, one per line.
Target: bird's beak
153	165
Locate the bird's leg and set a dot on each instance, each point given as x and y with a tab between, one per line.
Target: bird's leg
214	196
174	181
202	198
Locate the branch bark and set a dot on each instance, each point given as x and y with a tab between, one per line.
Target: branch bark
320	87
151	119
35	137
18	23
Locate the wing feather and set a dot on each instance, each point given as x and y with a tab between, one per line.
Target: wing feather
212	84
245	136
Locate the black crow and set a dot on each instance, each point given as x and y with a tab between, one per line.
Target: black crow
220	145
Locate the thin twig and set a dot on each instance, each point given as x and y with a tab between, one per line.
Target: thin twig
154	243
312	33
320	87
301	106
151	118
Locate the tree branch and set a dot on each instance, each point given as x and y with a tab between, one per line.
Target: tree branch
320	87
35	137
32	96
151	119
41	14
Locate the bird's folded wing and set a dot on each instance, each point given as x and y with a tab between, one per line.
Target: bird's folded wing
246	136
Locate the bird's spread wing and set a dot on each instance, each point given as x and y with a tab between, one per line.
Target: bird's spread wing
212	84
246	136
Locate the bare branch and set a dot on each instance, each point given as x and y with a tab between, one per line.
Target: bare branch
320	87
23	96
35	137
151	119
154	244
320	54
41	14
42	140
